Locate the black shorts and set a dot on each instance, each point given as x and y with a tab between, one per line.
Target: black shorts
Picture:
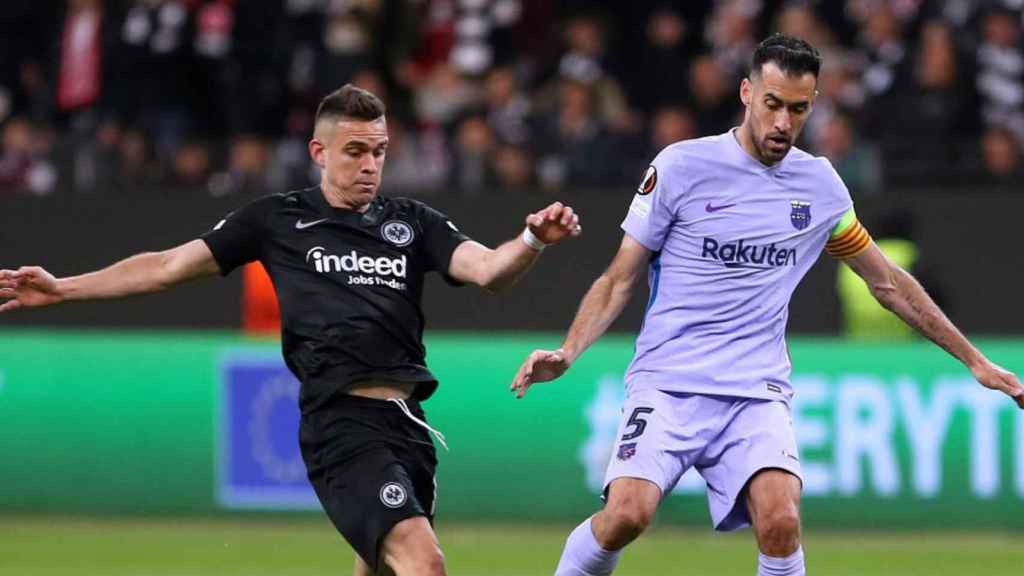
371	466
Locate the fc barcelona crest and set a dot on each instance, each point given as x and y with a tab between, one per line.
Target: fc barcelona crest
800	215
626	451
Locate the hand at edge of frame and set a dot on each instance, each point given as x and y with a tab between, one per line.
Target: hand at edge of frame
996	377
27	287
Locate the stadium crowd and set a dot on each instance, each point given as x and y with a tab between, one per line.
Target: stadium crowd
217	96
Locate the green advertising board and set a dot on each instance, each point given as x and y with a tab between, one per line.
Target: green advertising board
96	422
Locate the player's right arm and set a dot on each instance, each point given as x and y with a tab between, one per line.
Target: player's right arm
650	217
602	304
32	286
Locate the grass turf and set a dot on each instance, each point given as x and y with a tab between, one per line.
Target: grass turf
46	546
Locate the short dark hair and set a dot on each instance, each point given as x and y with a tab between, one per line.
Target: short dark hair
350	102
794	56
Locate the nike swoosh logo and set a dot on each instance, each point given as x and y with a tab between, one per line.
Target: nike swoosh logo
300	225
711	208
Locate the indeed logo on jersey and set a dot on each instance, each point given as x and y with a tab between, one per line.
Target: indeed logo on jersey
743	255
363	270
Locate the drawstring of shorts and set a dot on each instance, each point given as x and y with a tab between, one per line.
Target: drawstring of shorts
405	408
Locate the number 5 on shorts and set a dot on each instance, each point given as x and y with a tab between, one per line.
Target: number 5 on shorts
638	423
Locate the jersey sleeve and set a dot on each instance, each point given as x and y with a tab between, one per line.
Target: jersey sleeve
238	238
847	237
651	215
440	239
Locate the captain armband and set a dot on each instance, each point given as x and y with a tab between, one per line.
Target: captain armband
850	242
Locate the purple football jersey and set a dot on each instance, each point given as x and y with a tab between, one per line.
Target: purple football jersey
732	239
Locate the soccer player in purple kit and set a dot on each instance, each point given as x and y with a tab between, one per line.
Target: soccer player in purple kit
726	227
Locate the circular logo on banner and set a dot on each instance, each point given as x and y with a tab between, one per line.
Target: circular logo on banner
649	182
397	232
392	495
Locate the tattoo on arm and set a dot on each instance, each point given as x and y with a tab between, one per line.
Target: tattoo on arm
922	314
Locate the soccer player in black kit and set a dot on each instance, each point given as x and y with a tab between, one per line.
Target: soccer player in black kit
348	267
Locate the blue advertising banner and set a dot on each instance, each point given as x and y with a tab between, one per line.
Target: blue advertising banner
258	460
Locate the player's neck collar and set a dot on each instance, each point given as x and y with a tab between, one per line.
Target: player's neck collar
745	157
319	200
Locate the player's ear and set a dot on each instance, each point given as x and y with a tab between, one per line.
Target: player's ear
316	152
746	92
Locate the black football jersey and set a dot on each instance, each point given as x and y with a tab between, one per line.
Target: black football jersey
349	284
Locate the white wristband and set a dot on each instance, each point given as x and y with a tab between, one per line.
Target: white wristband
532	241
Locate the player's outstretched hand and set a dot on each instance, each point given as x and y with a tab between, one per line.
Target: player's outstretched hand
554	223
539	366
26	287
995	377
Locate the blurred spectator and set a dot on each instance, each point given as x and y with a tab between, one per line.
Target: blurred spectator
471	166
28	29
858	163
587	60
80	68
404	160
838	89
669	125
215	48
731	35
1001	156
482	34
256	72
347	41
191	167
153	71
470	36
882	44
513	168
133	85
799	20
575	144
135	166
369	79
123	161
444	96
662	80
247	171
290	167
84	84
901	10
508	109
715	98
1000	76
23	163
416	161
925	118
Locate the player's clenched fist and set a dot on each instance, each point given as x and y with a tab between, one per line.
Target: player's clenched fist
540	366
554	223
27	286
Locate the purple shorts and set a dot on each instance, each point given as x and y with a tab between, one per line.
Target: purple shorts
727	439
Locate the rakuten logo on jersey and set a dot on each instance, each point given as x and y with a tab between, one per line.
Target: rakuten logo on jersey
743	255
363	270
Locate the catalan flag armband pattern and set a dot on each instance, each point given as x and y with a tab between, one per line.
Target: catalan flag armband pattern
850	242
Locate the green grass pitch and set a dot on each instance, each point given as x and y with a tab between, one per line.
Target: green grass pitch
46	546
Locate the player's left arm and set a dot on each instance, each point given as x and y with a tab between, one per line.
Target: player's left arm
501	267
899	292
